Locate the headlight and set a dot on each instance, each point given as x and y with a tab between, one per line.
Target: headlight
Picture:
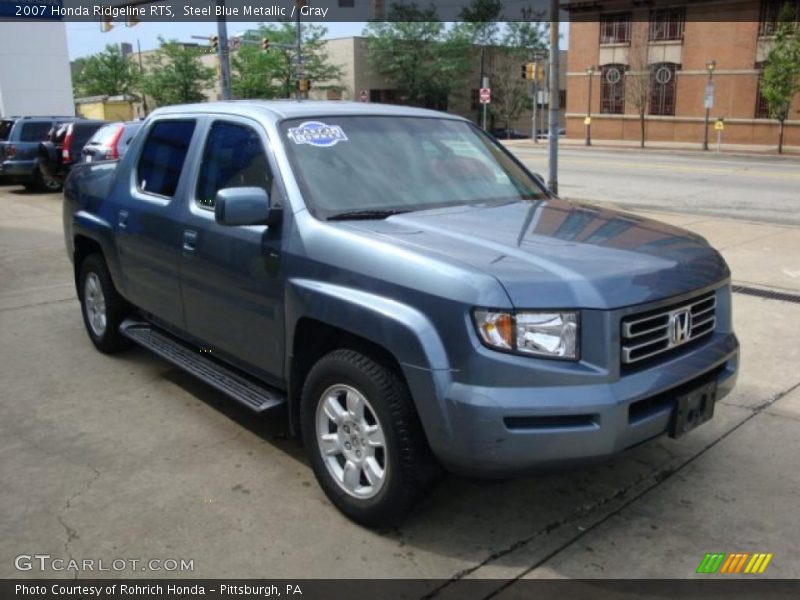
547	334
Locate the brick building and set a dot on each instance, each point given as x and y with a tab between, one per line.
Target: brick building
677	47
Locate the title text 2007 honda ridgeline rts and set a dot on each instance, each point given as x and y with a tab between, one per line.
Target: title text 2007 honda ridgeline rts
404	285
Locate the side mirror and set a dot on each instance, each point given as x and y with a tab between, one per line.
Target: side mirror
245	206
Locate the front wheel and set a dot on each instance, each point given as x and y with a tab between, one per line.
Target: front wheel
364	439
102	307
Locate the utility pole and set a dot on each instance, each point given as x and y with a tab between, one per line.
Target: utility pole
590	75
482	79
535	90
538	57
485	84
552	125
141	72
224	57
708	101
298	48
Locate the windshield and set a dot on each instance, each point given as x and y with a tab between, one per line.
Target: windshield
382	165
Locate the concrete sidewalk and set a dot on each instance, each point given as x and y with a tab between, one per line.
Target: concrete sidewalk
126	456
678	148
760	254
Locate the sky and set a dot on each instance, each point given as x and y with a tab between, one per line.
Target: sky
86	38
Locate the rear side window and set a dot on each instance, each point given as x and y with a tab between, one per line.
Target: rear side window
82	132
104	135
233	157
5	130
34	132
163	156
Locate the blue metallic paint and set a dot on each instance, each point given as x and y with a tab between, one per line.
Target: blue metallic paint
408	284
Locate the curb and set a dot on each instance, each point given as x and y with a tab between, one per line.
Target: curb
786	156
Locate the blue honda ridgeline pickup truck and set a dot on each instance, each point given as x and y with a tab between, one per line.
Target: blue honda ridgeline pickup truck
404	285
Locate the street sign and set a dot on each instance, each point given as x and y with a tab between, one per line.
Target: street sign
708	101
485	95
587	121
363	96
719	125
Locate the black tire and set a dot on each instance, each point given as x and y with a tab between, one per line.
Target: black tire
42	183
410	467
109	340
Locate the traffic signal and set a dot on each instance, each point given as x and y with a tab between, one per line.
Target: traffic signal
132	21
265	44
213	43
530	71
106	25
303	84
524	71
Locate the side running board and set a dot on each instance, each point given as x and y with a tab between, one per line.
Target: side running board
254	396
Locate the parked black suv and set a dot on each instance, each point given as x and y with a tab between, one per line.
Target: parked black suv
19	142
62	148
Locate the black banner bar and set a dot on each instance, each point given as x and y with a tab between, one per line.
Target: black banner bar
400	589
329	11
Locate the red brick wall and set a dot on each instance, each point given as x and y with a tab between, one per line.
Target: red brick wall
732	44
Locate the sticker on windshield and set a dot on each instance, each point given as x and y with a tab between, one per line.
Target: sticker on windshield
317	134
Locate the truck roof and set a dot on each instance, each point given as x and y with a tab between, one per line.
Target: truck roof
276	110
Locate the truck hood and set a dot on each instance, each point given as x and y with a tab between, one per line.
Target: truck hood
554	253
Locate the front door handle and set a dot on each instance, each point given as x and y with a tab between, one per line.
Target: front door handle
123	219
189	240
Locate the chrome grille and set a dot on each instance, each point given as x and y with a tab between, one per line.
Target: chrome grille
649	334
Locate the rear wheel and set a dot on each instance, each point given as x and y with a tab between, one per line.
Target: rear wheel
43	183
102	307
364	439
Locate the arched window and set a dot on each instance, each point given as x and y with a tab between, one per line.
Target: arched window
663	85
612	89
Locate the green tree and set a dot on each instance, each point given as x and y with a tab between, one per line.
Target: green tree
107	73
520	39
413	50
781	79
640	75
270	74
508	46
175	75
481	28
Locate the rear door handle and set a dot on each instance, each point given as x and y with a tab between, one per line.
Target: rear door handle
189	240
123	219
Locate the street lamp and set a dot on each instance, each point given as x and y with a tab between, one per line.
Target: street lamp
709	98
590	74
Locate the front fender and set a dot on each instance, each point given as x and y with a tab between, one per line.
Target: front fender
402	330
99	230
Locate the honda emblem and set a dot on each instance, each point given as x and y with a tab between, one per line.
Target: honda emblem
679	327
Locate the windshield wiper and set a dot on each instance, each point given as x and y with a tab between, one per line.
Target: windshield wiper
365	214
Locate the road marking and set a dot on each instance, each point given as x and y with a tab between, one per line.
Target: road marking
703	170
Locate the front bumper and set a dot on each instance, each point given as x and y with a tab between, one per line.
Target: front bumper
507	431
506	415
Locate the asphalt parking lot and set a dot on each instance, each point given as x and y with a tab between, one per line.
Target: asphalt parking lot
128	457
